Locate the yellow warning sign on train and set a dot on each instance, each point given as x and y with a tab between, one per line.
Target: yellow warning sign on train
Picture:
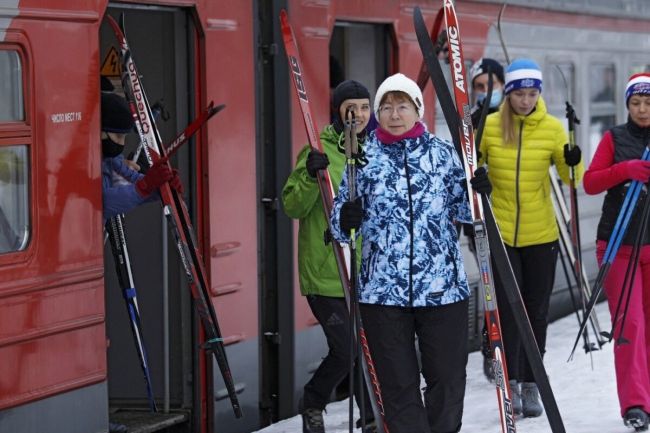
111	65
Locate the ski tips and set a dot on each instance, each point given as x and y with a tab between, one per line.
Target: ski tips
215	110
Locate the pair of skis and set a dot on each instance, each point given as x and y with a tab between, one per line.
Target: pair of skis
487	236
175	209
341	251
117	238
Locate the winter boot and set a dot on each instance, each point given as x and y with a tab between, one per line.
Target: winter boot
637	418
531	405
515	397
312	421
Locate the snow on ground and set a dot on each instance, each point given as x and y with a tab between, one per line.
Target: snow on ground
586	398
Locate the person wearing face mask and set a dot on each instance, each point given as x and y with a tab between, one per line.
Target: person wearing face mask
318	274
616	163
520	142
123	187
479	77
412	282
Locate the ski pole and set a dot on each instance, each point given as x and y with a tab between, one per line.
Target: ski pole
615	239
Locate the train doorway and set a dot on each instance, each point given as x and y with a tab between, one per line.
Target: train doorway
160	39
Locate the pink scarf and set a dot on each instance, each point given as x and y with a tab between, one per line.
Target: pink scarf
387	138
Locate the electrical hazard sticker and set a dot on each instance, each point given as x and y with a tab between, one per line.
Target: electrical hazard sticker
111	65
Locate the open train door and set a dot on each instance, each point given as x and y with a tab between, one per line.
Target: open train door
159	37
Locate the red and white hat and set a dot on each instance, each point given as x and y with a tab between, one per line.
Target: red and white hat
638	84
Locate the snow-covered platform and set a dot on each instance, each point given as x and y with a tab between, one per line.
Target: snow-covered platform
586	398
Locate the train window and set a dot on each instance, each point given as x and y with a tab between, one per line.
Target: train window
14	198
559	87
360	51
602	97
11	87
639	68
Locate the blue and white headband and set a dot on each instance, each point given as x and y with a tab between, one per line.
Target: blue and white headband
523	74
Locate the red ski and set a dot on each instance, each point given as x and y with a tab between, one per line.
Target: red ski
341	251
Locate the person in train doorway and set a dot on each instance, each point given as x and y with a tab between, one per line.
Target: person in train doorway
412	281
318	273
123	186
520	142
479	79
616	163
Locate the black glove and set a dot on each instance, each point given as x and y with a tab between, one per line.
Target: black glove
572	157
480	182
351	215
316	161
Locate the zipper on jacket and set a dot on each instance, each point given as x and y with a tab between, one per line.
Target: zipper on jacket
518	211
408	186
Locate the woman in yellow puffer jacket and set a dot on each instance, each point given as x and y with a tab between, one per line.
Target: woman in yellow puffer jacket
520	143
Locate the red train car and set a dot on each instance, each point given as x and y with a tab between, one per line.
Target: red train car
67	359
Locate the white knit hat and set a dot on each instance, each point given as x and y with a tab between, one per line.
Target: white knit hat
400	83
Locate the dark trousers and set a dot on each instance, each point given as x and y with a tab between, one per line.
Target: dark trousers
334	317
442	340
534	269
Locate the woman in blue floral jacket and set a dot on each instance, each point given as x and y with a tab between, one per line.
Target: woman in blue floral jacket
412	280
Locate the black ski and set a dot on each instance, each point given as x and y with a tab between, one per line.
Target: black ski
177	214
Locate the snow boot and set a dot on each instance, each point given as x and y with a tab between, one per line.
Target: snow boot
515	397
312	421
531	405
637	418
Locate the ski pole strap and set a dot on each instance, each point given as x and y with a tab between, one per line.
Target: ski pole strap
129	293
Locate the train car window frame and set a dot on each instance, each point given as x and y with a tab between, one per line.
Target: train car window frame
603	107
556	91
16	148
379	47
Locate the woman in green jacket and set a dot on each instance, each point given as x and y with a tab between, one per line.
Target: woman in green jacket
318	274
520	144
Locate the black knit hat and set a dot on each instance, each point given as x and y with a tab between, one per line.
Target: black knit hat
116	116
481	67
348	89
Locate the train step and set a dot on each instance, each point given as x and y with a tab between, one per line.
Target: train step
148	422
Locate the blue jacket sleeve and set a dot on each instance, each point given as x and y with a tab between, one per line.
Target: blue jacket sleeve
457	184
120	198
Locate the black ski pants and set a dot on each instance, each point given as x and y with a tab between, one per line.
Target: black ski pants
334	317
534	269
442	340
